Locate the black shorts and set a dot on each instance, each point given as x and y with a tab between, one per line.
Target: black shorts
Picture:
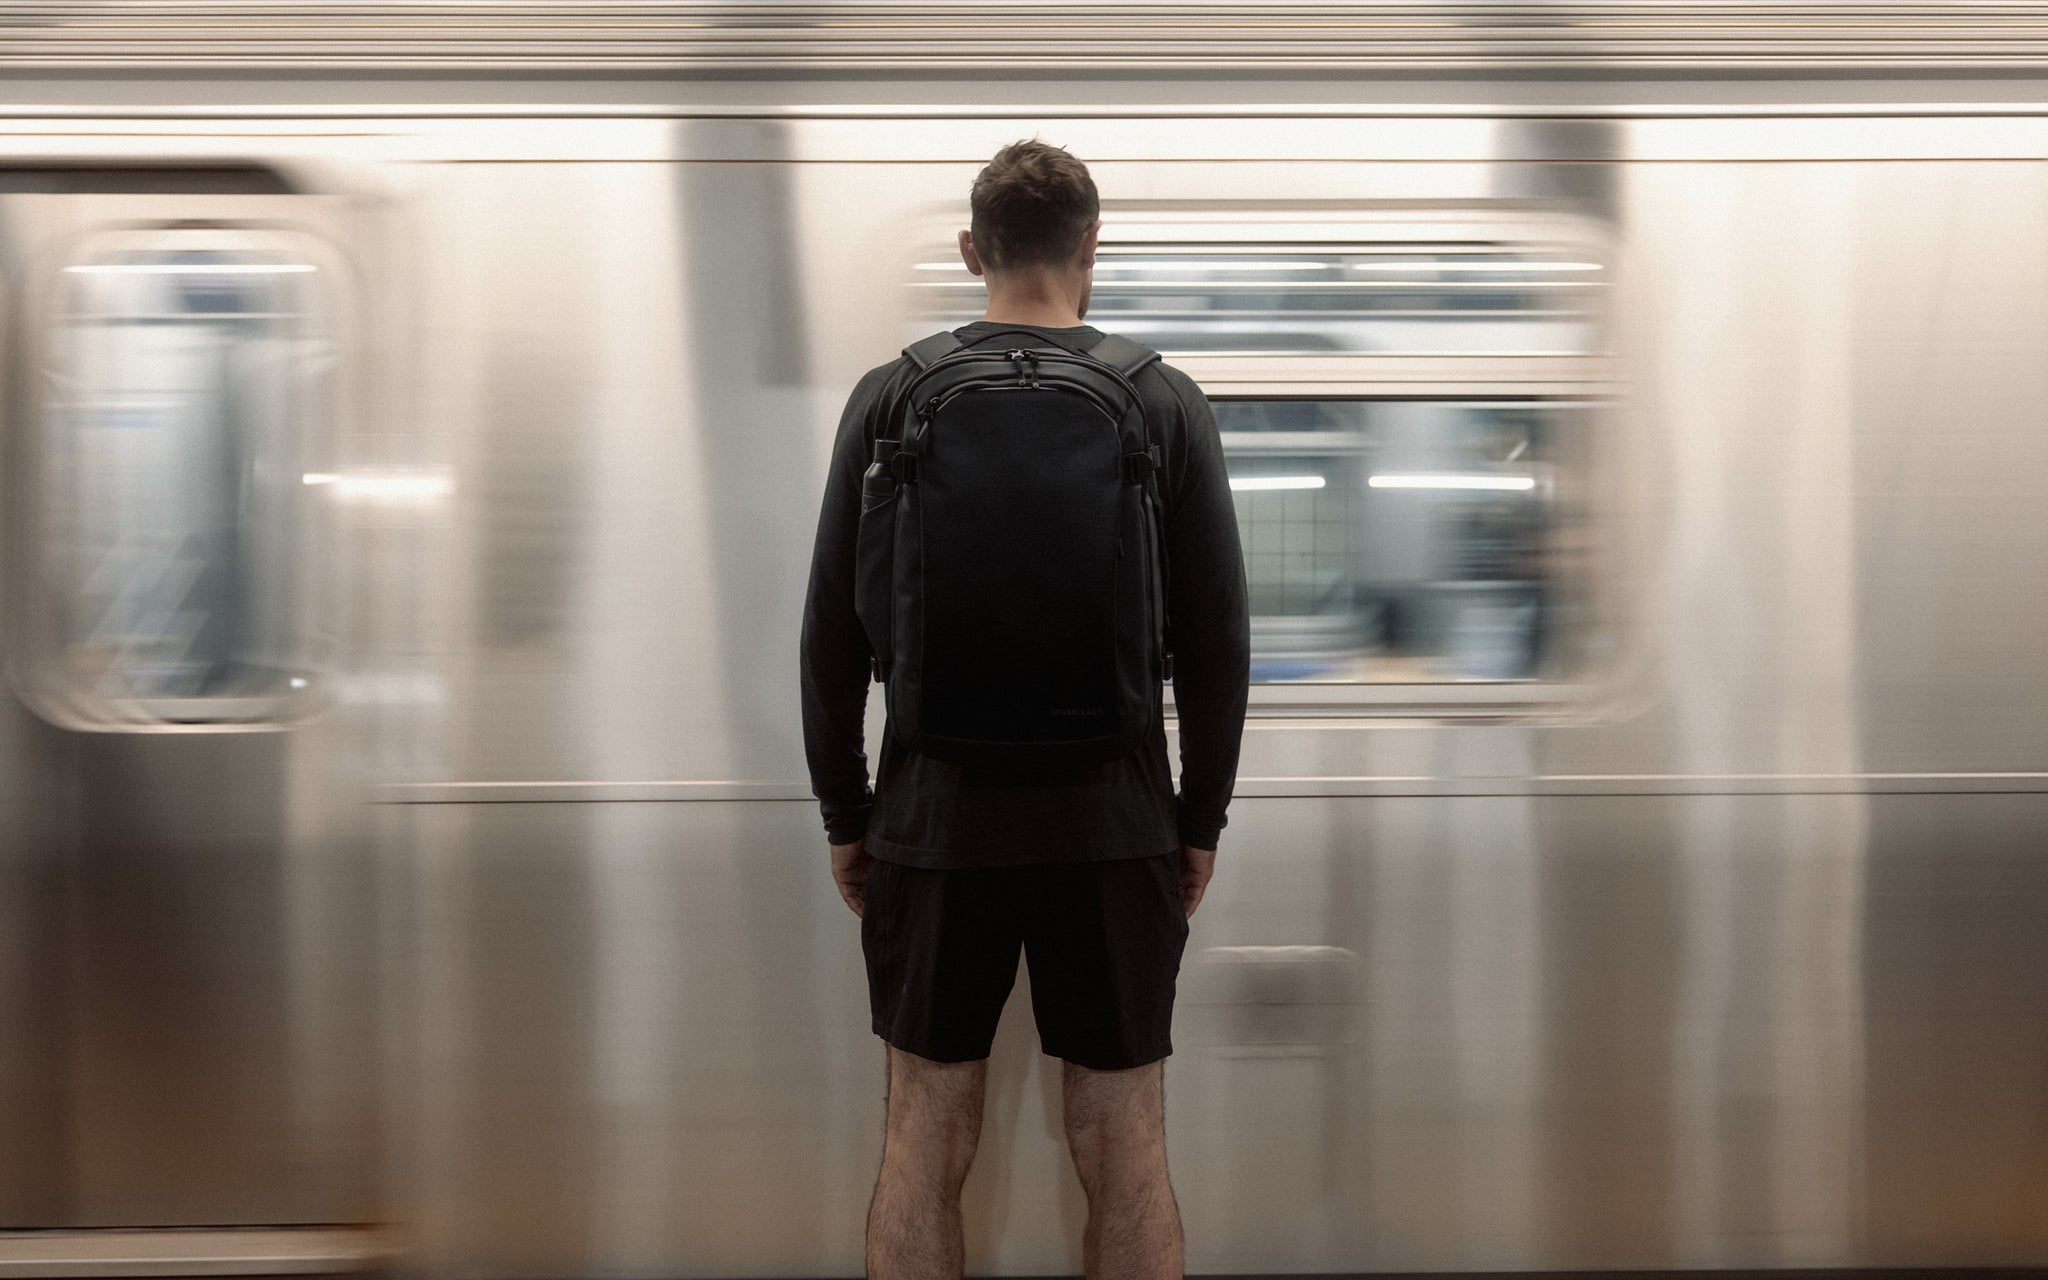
1103	940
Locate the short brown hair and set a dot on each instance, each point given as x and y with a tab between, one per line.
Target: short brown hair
1031	206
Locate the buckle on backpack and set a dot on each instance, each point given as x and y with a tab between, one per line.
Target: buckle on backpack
903	465
1139	465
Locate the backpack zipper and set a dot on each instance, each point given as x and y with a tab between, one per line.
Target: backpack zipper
936	403
1055	356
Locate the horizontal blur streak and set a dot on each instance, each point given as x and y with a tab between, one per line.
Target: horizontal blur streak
660	35
1277	482
397	487
191	269
1470	481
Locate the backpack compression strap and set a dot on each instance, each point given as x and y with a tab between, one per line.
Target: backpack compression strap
1127	357
925	352
1122	354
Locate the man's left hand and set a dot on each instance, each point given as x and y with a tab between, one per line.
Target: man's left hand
850	873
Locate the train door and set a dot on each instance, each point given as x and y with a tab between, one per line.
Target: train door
188	887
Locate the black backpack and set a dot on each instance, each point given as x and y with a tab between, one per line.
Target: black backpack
1011	556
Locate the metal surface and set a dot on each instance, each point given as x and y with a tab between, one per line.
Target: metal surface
1737	964
652	35
199	1044
1685	1025
47	1255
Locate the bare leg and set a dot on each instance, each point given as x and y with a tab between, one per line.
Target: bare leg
914	1230
1116	1129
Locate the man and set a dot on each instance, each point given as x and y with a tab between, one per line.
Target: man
1093	870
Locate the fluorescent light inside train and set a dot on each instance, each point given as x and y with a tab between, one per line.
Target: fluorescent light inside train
1114	262
1426	265
193	268
1449	480
1276	482
397	487
1170	264
1109	263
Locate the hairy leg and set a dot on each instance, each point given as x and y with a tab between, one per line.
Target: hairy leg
914	1230
1116	1129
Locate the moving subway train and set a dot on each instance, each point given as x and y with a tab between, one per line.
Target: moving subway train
414	418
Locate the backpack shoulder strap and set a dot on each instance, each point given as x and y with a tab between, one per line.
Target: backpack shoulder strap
926	352
1122	354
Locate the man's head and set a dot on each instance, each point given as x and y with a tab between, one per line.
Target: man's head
1035	215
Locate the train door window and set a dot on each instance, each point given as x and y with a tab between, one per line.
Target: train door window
1411	404
184	419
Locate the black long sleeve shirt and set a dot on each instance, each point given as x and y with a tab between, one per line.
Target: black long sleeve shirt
935	813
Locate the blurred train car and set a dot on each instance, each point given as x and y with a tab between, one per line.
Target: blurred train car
414	420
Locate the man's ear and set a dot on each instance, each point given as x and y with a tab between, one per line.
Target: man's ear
967	253
1088	239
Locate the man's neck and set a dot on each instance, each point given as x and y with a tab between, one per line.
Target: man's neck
1035	301
1036	319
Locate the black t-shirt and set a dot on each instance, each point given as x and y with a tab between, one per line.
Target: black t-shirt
936	813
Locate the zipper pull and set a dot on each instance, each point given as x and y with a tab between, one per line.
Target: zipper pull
1027	366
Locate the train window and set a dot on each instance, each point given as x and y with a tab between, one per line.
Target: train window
1483	295
181	439
1402	542
1409	401
1319	298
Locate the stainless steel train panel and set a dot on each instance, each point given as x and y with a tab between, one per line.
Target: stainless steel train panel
640	1027
202	961
1520	1032
39	798
1955	975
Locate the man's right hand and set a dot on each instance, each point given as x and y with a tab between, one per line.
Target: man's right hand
1196	866
850	863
